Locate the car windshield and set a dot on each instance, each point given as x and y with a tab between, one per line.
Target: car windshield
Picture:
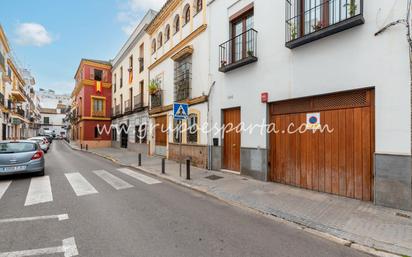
17	147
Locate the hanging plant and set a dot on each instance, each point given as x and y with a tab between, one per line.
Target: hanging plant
154	86
352	6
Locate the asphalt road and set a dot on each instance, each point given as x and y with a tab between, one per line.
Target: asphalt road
118	213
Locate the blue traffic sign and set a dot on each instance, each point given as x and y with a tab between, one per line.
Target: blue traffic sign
180	111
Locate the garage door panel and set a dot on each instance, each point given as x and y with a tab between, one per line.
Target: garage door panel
339	162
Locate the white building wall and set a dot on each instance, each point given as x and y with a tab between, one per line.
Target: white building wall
351	59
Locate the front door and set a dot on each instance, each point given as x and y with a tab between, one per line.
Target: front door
4	131
123	136
231	139
161	135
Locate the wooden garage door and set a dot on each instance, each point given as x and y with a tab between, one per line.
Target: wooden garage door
339	162
161	131
231	140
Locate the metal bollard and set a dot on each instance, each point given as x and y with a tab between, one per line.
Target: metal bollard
188	169
87	148
139	160
81	146
163	165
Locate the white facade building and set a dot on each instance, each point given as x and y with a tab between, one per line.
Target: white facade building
130	90
262	77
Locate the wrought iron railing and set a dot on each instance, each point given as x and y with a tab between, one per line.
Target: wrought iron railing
138	101
117	110
182	81
302	20
239	48
156	99
1	99
20	111
2	61
128	105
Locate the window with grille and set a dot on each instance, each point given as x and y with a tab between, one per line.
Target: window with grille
192	128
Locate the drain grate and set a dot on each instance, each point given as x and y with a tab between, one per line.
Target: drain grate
214	177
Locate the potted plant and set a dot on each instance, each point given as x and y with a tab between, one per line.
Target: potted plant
352	6
250	53
317	26
154	87
293	31
223	63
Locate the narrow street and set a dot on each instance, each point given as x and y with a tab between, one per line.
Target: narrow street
87	206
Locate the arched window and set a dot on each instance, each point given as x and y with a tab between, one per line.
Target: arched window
176	24
186	14
159	40
198	5
153	46
167	33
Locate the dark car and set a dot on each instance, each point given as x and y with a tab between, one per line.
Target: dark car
22	156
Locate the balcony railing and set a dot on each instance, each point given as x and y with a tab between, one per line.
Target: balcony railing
138	102
319	19
98	114
238	51
2	61
127	106
141	64
156	99
117	110
182	81
20	112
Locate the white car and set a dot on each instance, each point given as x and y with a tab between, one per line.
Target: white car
44	144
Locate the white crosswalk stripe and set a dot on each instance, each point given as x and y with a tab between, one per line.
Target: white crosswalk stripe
39	191
112	180
80	185
145	179
3	187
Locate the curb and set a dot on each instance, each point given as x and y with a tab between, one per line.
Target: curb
296	225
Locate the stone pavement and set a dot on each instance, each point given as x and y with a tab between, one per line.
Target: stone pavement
347	221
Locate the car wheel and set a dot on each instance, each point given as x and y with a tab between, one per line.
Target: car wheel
40	173
45	151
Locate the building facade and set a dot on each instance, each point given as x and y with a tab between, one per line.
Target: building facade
92	100
297	62
178	72
130	100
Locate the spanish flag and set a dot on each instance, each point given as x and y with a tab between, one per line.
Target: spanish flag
98	86
130	77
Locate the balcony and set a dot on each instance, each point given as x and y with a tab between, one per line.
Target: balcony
2	61
98	114
19	111
141	64
138	102
156	99
182	81
127	106
2	99
117	110
238	51
320	19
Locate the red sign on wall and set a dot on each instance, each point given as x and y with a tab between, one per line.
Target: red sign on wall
264	97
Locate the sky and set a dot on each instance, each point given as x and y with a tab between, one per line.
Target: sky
50	37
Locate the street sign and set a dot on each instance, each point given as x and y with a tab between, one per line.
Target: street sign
313	121
180	111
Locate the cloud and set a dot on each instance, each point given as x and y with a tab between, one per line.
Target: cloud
32	34
132	11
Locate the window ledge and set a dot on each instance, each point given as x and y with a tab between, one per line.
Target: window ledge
328	31
238	64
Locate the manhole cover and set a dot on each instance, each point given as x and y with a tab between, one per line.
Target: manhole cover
214	177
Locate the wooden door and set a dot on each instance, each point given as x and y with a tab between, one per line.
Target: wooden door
231	139
161	131
339	161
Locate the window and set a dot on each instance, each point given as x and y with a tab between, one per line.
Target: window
186	14
115	82
154	46
130	69
177	131
176	24
46	120
121	77
98	107
198	5
167	33
98	75
192	128
243	41
140	134
159	40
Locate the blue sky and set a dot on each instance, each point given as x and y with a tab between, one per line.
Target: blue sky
50	37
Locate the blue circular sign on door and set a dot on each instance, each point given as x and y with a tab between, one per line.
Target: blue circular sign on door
313	120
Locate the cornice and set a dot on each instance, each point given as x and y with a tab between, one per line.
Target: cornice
166	10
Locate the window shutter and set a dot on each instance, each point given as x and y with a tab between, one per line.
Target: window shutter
104	76
91	73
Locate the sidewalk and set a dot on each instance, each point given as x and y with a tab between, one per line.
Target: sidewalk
343	220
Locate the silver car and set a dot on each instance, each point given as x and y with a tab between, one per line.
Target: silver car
20	157
42	141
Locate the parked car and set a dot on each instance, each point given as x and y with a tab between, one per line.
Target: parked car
20	157
42	141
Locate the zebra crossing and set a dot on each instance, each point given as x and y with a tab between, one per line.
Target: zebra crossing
40	188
